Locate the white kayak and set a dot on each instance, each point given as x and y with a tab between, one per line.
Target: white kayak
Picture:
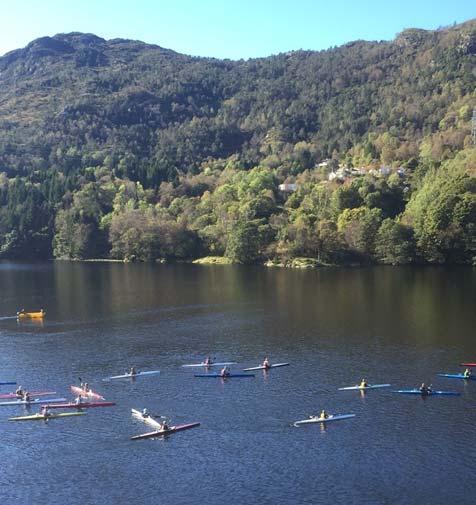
133	376
370	386
227	363
33	401
146	419
317	419
261	367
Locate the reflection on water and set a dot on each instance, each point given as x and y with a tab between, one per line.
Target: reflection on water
395	325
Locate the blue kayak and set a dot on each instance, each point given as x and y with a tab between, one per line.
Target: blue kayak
7	383
428	393
215	375
457	376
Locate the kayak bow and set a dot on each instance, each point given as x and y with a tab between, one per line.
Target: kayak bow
31	315
317	419
90	394
261	367
35	401
211	364
85	405
457	376
41	417
373	386
148	419
161	433
132	376
217	375
429	393
31	393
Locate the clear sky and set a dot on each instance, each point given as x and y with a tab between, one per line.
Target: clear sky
227	29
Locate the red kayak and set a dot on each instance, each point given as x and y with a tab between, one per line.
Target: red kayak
469	364
85	405
161	433
31	393
90	393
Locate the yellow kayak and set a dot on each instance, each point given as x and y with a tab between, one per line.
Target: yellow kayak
31	315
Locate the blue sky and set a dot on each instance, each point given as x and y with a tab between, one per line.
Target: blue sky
227	29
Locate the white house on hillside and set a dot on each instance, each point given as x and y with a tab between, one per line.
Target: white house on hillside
287	187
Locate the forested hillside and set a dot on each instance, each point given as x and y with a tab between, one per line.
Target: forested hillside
127	150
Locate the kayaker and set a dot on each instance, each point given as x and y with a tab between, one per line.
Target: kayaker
19	391
266	363
78	400
208	361
85	387
164	426
467	373
26	396
323	415
45	411
424	389
145	413
364	383
225	372
133	370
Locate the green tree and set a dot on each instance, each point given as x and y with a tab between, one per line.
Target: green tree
394	244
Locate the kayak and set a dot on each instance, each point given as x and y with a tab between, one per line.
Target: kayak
41	417
7	383
31	315
371	386
32	393
457	376
133	376
148	419
316	419
215	375
35	401
277	365
90	394
430	393
469	364
85	405
161	433
211	364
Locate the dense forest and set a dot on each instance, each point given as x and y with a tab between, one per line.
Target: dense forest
357	154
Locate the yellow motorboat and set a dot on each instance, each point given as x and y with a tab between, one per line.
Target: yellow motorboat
31	315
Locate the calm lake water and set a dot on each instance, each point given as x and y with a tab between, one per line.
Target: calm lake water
335	326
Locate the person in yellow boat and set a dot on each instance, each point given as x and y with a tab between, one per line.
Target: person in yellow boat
467	373
364	383
266	364
323	415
